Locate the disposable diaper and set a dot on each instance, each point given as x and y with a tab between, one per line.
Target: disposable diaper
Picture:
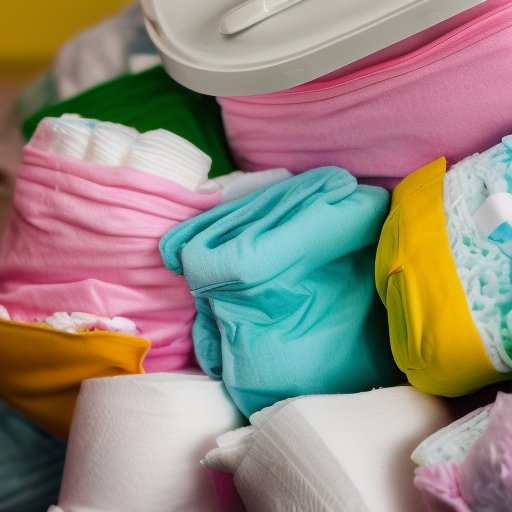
149	101
157	152
481	480
483	259
445	277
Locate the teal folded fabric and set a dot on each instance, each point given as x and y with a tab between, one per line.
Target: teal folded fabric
284	286
31	464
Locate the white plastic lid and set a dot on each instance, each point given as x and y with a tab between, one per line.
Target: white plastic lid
298	44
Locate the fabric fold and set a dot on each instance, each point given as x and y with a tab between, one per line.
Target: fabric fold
284	287
84	237
382	118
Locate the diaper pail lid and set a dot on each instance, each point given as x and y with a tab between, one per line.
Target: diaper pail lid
298	44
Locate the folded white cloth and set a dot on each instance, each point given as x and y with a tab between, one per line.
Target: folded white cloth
332	453
136	443
238	184
157	152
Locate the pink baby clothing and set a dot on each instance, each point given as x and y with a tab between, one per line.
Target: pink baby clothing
84	237
449	97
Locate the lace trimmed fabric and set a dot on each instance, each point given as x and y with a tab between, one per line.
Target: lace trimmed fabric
483	265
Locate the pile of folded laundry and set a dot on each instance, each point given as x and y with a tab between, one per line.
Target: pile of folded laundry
208	306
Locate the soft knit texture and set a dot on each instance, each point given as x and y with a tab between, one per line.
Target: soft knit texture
83	237
386	120
285	292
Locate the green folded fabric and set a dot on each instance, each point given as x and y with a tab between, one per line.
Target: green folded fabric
148	101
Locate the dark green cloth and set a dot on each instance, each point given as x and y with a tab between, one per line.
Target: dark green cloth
147	101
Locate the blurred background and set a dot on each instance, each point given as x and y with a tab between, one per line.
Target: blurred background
31	32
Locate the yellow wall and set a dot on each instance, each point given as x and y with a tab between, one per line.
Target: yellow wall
32	30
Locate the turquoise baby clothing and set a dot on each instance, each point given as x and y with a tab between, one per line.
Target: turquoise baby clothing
283	281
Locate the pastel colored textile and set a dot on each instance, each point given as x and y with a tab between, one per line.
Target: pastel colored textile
147	101
482	482
438	347
439	486
227	494
388	119
486	472
284	286
84	237
31	464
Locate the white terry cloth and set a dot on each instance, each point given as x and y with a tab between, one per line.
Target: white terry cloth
136	443
334	453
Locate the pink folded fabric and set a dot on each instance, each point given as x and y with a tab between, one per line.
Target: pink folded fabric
449	97
84	237
439	486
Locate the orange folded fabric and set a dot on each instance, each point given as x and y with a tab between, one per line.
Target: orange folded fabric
41	369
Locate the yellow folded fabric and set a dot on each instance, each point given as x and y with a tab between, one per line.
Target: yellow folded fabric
41	368
433	337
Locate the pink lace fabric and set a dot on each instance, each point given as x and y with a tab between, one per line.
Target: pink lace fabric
84	237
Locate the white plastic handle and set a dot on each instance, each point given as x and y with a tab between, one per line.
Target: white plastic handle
251	12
